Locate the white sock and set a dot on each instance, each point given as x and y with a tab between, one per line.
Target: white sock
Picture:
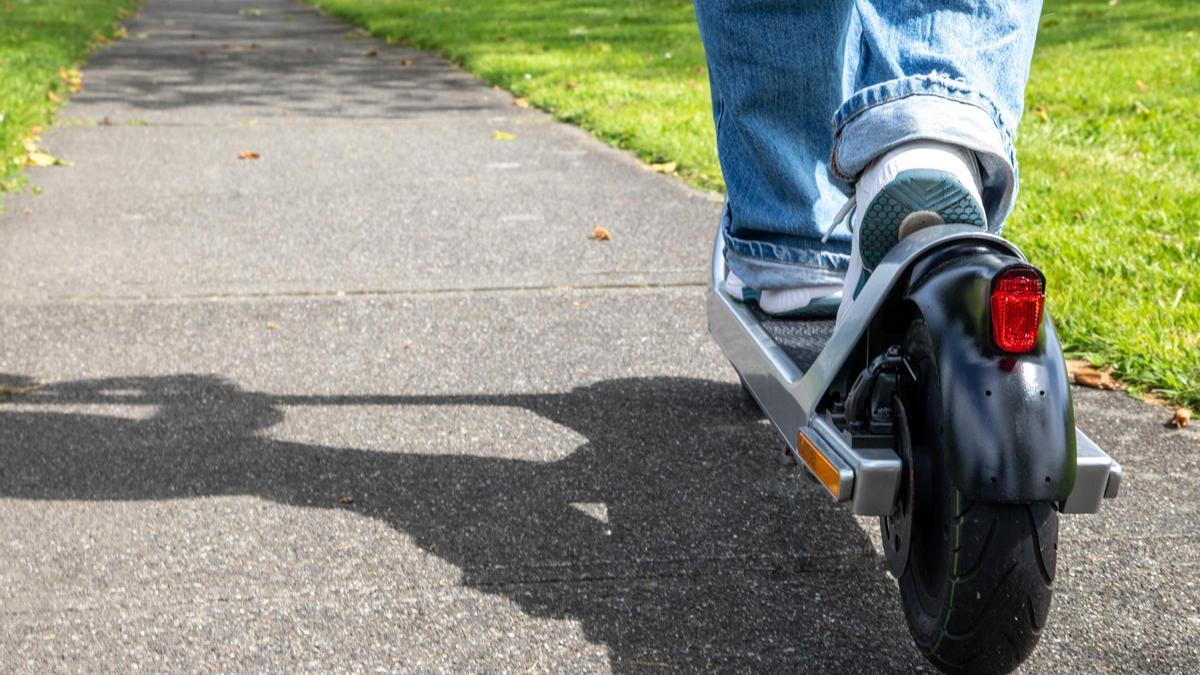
785	300
735	287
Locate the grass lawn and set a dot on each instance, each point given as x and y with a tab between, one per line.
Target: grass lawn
41	43
1110	145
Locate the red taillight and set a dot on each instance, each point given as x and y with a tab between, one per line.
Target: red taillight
1017	300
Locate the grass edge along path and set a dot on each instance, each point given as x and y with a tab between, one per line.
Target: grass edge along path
43	44
1109	144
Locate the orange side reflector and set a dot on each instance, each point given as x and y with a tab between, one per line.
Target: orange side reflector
820	466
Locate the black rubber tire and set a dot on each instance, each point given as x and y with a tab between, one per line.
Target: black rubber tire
978	584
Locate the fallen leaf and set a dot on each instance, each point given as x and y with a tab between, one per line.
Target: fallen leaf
1096	379
1181	418
53	97
39	158
503	136
1075	365
601	233
664	167
1142	86
346	500
10	392
406	62
249	154
72	78
520	102
572	85
371	53
1153	398
271	325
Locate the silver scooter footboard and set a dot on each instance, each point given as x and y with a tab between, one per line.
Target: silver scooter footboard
788	367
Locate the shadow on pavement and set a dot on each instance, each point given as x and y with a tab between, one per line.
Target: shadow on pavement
289	61
713	553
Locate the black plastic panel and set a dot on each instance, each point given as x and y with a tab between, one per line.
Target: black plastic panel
802	339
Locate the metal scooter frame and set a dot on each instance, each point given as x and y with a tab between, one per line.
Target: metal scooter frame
869	477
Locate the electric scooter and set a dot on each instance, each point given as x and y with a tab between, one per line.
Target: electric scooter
941	404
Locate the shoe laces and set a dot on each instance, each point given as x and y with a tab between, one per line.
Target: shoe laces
845	213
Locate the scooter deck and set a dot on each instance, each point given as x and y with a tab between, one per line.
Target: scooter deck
801	339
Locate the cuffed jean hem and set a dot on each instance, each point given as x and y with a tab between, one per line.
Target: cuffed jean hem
772	265
932	108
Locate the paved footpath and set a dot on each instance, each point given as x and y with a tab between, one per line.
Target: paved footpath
376	401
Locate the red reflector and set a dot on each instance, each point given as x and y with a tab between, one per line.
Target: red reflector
1017	300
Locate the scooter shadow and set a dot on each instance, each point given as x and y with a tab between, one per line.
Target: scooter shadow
712	553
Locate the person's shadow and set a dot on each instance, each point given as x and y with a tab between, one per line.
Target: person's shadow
712	554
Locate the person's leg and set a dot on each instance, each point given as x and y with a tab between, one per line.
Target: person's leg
927	137
952	72
776	68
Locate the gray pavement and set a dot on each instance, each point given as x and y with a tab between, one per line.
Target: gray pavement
375	401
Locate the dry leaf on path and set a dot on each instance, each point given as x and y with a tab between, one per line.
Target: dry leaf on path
72	78
346	500
1181	418
520	102
502	136
1074	365
249	154
1096	379
664	167
601	233
371	53
406	62
39	158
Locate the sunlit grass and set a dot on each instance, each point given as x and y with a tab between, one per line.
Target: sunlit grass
37	39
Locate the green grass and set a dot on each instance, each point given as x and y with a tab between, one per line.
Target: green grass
1110	201
37	38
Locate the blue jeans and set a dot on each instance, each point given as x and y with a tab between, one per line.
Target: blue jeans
887	72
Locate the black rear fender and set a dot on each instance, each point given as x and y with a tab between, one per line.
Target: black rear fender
1008	422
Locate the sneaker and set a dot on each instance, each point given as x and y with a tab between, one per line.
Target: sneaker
910	188
811	302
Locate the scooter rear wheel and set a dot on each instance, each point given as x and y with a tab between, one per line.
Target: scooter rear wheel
977	585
